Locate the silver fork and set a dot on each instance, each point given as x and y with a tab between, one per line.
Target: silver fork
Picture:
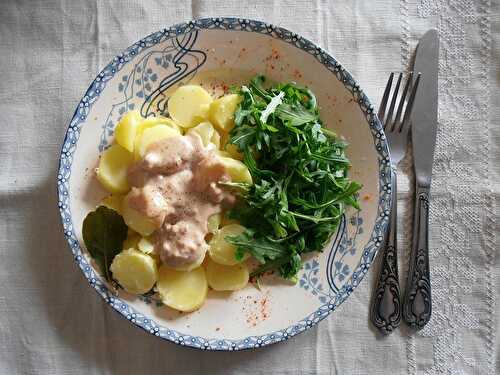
386	304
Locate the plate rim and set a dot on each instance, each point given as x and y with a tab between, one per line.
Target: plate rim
226	24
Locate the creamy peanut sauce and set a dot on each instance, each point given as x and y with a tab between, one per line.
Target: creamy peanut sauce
175	185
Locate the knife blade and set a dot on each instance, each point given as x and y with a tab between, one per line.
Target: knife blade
424	115
417	305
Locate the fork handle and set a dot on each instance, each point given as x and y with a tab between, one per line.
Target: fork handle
386	303
417	306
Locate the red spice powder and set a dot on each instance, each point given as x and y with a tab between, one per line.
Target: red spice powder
264	308
297	74
257	310
242	52
273	56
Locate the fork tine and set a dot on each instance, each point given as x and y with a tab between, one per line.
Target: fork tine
385	97
398	124
409	106
393	102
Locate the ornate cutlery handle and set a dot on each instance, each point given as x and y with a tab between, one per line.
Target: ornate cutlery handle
417	306
386	305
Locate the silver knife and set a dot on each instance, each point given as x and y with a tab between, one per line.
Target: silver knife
417	305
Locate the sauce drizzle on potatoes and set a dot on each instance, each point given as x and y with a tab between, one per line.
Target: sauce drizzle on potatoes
139	268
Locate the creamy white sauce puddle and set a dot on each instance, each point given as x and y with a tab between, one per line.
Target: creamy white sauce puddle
175	185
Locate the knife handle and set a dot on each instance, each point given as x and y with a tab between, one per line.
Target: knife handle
417	305
386	303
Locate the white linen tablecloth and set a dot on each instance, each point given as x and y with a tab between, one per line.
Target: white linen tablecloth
51	322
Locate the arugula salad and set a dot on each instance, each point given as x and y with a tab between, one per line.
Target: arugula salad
218	193
299	170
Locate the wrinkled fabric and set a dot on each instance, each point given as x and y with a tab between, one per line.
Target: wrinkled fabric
51	322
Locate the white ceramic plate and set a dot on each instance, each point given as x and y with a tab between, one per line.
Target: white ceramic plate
217	53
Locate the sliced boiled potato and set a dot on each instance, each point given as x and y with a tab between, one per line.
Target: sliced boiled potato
136	220
153	121
132	241
151	135
156	257
112	169
233	151
205	130
214	223
180	290
113	201
191	266
237	170
202	115
220	250
188	105
222	111
127	128
222	278
135	271
223	153
215	139
146	245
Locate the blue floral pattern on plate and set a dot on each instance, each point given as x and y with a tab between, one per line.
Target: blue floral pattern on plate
330	297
